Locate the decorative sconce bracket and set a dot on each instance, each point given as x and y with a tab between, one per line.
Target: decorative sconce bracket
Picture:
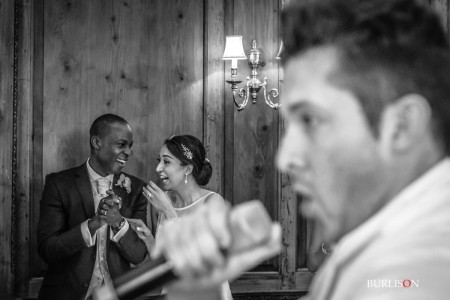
253	84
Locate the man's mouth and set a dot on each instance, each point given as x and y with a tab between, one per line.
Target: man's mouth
307	208
302	189
307	197
121	162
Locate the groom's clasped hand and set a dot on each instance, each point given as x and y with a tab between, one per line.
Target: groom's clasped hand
108	209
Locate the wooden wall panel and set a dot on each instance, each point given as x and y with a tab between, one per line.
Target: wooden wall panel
214	84
6	150
256	127
255	132
36	263
142	60
24	146
176	51
108	56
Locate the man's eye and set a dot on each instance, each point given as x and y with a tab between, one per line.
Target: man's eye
158	160
308	120
166	162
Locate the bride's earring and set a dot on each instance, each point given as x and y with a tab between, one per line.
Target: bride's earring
185	178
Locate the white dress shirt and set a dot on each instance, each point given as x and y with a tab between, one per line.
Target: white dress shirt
91	240
402	252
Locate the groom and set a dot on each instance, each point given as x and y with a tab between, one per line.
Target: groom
83	235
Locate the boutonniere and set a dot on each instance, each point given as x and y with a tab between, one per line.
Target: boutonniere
124	182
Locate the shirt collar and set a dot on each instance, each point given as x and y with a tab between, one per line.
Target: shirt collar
407	199
94	176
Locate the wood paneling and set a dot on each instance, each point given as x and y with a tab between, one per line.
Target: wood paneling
213	116
108	56
142	60
37	265
6	150
24	145
255	129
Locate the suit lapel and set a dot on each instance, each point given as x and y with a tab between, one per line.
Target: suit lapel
84	187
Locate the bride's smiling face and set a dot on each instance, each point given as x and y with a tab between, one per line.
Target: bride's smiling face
170	170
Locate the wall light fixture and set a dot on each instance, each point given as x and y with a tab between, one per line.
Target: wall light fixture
234	51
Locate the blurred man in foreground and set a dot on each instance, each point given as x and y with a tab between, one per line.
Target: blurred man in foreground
366	101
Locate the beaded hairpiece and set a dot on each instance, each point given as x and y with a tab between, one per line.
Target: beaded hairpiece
186	152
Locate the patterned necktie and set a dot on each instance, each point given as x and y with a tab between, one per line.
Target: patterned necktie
103	185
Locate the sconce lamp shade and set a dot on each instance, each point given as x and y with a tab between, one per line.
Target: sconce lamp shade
233	48
280	50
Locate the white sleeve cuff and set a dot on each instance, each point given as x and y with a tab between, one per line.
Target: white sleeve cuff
87	237
116	238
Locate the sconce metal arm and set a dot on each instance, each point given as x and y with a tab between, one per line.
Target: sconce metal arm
241	94
268	97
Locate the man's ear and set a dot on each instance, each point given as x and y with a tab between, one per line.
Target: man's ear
409	119
96	142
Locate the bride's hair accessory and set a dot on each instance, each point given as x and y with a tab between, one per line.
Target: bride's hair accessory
186	152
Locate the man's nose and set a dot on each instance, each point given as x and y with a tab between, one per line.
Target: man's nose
282	157
128	151
290	154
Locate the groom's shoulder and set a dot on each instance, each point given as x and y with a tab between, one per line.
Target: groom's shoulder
66	174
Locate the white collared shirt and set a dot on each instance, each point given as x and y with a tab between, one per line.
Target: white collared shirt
402	252
90	240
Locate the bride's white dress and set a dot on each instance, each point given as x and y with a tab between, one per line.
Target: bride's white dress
225	287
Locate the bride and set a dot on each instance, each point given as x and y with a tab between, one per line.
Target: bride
183	170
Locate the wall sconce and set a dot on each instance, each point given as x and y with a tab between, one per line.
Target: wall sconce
234	51
280	50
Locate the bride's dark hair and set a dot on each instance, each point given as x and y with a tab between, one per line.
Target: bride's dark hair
190	151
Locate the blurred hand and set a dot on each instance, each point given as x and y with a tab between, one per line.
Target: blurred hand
159	199
196	247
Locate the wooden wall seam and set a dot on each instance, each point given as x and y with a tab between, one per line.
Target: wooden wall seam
24	147
7	11
213	81
37	178
17	27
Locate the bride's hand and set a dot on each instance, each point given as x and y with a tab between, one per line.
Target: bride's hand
142	231
159	199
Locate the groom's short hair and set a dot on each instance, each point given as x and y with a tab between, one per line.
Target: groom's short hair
101	124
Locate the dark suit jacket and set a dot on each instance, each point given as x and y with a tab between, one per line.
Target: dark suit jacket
67	201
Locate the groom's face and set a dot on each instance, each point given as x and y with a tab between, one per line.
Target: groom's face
114	149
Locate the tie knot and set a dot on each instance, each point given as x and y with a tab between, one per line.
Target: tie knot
102	185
